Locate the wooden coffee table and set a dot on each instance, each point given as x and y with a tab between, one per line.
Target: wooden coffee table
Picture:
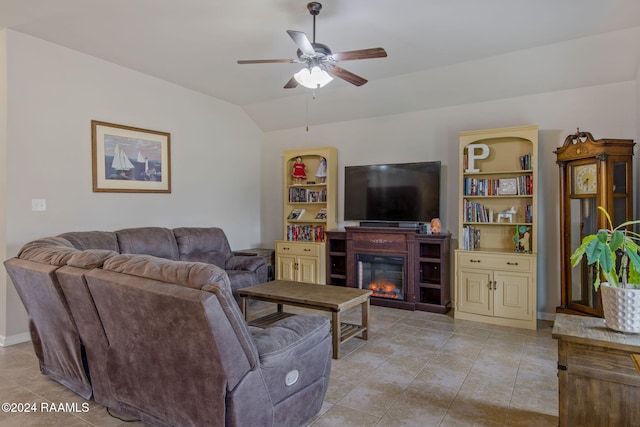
335	299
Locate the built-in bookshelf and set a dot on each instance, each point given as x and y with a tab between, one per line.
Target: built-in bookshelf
497	192
309	210
496	260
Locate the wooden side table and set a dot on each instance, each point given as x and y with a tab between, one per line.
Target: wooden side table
598	381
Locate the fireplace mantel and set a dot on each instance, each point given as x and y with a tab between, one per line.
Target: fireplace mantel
427	263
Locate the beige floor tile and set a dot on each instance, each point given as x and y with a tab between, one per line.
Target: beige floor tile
525	418
405	415
438	376
454	419
533	399
494	371
481	408
342	416
459	362
372	397
493	390
418	393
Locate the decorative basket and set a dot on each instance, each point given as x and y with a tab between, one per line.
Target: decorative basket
621	308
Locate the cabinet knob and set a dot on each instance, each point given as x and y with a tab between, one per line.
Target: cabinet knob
474	260
511	263
307	250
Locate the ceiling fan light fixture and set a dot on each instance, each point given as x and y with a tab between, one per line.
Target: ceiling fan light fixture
313	78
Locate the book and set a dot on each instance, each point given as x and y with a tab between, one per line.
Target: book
296	214
322	214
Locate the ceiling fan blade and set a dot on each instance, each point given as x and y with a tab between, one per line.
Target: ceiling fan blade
291	83
266	61
376	52
348	76
302	42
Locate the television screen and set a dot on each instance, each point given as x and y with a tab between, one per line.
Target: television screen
392	192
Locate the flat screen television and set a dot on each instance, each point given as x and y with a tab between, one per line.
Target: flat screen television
402	192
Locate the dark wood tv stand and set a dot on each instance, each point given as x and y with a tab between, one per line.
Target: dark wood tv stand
426	263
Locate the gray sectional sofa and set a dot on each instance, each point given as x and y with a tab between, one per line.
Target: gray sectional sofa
144	321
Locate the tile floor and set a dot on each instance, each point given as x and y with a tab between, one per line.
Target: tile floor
416	369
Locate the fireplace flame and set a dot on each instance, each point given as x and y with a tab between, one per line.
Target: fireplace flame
385	289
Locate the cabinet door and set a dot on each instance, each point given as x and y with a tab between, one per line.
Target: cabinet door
474	293
286	267
511	295
308	269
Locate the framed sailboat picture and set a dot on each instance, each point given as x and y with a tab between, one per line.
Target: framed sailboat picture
130	160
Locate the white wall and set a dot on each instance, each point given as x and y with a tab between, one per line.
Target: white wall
605	111
54	93
3	171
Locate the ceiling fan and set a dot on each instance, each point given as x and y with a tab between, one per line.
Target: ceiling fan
319	60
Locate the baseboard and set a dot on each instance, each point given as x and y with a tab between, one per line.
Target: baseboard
6	341
546	316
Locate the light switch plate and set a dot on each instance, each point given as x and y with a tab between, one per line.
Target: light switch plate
38	204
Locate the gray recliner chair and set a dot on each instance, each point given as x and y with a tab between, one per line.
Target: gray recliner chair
55	337
180	352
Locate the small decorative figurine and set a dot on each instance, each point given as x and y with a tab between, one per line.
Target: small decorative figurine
321	173
508	214
298	172
521	238
436	226
524	242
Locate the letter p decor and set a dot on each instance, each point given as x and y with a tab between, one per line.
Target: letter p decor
473	155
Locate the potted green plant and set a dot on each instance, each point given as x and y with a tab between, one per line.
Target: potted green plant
614	252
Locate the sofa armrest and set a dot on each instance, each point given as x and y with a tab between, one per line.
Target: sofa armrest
295	358
248	263
289	337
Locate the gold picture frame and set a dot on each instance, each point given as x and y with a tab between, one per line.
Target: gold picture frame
127	159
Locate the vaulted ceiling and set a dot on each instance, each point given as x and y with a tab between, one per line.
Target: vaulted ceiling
440	52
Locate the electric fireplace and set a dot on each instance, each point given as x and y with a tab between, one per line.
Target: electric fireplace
382	274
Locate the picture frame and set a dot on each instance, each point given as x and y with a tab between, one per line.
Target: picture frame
507	187
128	159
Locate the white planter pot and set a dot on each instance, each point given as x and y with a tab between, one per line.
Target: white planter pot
621	308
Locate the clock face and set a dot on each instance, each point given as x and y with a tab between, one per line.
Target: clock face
585	179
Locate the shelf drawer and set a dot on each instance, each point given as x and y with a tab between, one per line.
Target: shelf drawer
510	262
297	248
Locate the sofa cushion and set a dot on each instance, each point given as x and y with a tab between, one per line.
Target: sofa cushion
190	274
50	250
156	241
201	244
90	258
92	240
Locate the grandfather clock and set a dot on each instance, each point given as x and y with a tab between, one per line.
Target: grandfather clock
592	173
